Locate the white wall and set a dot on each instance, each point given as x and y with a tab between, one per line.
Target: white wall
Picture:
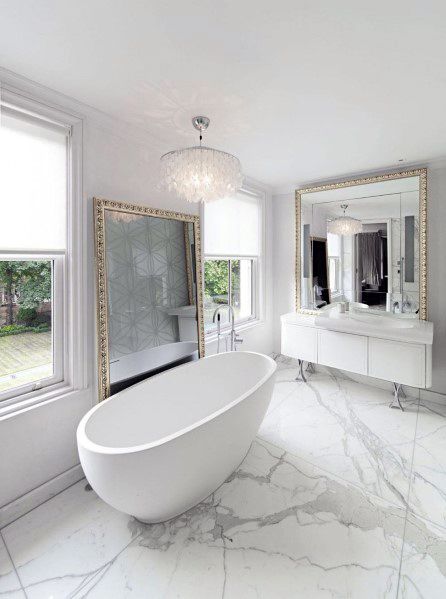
284	239
283	265
119	163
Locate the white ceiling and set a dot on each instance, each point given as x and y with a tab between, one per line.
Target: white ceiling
298	90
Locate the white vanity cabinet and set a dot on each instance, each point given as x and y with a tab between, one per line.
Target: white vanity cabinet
405	363
342	350
299	344
400	355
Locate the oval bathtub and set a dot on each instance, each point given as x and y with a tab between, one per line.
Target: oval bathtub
160	447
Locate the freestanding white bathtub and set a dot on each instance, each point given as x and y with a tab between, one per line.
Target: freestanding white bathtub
158	448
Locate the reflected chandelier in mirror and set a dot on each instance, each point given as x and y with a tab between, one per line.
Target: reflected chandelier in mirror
149	303
363	243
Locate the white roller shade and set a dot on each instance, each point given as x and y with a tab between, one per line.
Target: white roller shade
33	183
233	226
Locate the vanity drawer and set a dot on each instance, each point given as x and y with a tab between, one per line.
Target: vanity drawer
299	342
403	363
342	350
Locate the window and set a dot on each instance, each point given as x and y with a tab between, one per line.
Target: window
334	270
334	249
34	158
229	281
232	247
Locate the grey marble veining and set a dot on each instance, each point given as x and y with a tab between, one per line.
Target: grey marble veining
65	542
9	581
278	528
423	567
339	497
428	477
346	428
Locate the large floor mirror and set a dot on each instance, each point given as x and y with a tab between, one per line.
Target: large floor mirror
363	242
149	281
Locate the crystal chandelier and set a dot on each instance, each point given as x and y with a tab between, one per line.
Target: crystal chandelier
344	225
199	173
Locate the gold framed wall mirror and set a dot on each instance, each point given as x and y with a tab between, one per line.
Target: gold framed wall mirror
149	292
376	239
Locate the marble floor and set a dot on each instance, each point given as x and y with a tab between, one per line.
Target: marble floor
338	497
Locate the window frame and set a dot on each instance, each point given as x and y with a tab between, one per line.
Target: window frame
69	267
258	289
58	333
254	299
337	261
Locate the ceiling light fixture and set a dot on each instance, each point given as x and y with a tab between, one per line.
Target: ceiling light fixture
199	173
344	225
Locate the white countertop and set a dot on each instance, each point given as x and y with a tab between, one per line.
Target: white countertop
385	326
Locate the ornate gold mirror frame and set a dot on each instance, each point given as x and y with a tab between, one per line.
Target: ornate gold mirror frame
100	207
422	174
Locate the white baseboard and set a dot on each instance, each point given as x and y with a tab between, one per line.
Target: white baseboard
434	396
24	504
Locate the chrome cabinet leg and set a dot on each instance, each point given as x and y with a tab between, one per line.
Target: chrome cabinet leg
398	393
301	375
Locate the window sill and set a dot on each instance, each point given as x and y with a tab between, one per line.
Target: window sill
242	326
45	396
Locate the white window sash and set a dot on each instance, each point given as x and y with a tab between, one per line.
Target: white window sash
57	321
259	265
254	293
70	370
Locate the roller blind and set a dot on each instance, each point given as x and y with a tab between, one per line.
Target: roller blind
33	183
233	226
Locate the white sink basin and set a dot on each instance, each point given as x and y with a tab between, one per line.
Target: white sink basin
376	325
385	321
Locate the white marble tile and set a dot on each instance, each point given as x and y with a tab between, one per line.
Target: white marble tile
319	512
60	545
423	569
428	487
9	583
278	528
348	429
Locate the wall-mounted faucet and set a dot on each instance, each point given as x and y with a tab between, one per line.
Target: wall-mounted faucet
234	337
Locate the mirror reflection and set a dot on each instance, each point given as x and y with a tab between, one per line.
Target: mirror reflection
151	295
360	246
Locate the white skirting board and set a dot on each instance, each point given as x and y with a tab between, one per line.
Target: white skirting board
24	504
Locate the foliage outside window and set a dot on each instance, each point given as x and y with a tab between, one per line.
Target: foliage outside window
228	282
25	322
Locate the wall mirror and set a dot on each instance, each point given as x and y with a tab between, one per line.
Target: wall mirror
149	280
364	242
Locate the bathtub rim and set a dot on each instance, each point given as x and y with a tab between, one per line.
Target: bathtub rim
86	443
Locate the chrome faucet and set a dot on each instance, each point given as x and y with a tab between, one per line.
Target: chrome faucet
234	337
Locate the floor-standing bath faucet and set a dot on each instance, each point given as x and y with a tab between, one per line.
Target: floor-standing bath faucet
235	339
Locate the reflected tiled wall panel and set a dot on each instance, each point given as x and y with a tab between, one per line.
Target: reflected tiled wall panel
146	275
